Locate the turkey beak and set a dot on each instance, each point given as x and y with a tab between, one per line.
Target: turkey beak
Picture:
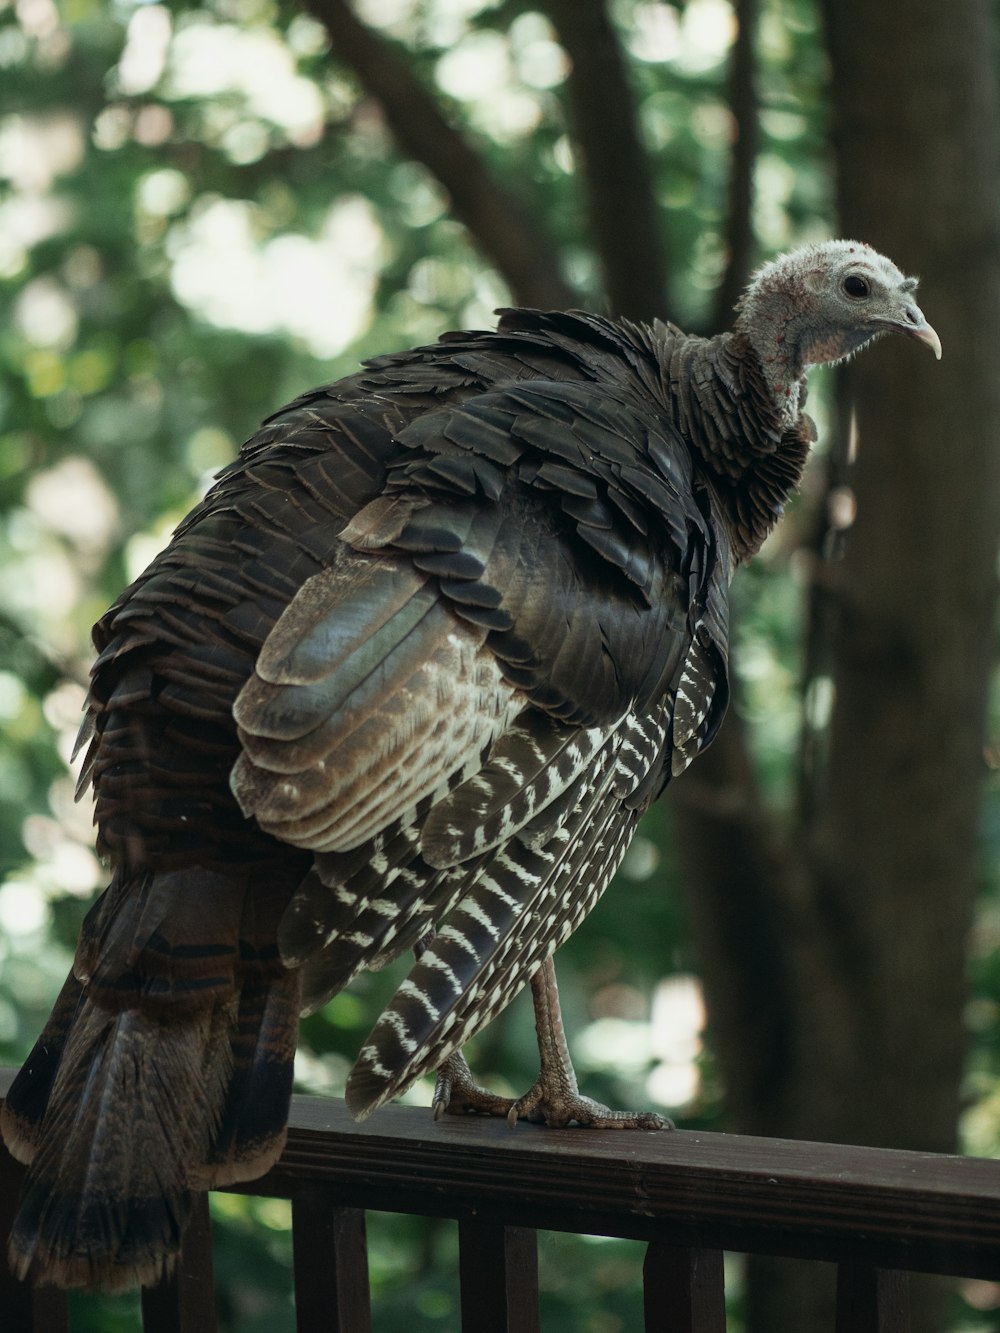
915	326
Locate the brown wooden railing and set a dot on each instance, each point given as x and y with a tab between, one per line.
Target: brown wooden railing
876	1214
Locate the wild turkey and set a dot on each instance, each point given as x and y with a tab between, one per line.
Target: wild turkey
407	678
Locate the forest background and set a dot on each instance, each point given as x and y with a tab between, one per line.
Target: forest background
206	209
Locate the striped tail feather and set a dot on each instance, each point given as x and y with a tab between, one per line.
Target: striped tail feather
697	706
597	838
521	905
433	887
530	765
504	980
363	908
359	910
547	823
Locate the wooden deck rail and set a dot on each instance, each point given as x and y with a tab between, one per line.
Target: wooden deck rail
876	1214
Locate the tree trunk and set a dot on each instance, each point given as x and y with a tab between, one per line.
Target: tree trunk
625	219
896	841
891	854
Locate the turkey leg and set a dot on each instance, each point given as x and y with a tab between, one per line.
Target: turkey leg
554	1099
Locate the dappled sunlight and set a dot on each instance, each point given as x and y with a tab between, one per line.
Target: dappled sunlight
707	31
392	15
414	20
45	314
318	290
613	1045
163	193
655	33
537	58
642	859
62	708
665	1049
146	46
73	500
324	1075
478	71
43	583
23	909
35	150
677	1023
38	18
207	58
61	841
25	221
62	866
979	1124
775	182
13	696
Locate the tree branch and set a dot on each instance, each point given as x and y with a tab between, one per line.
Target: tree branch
746	140
497	219
625	219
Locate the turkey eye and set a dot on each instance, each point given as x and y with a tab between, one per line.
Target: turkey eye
855	286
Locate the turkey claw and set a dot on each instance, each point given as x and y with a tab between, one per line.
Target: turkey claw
456	1092
555	1108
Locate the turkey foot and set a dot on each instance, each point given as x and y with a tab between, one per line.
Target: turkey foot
456	1092
554	1099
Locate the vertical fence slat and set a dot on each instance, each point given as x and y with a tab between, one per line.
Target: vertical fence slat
684	1290
28	1309
185	1301
872	1300
23	1308
330	1246
498	1270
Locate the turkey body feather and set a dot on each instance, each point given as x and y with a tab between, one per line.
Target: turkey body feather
409	674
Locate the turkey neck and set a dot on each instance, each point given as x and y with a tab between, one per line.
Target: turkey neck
754	448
